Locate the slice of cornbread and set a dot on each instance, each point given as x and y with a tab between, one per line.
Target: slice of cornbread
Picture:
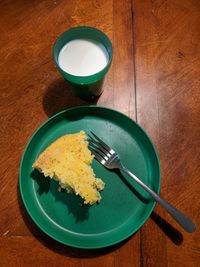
68	160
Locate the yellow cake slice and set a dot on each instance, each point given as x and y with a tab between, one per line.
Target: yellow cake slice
68	160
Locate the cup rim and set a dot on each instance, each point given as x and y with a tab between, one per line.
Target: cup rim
89	78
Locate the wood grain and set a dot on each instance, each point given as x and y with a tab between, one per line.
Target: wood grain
154	79
31	91
167	78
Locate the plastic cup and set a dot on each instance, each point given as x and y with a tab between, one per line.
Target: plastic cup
86	87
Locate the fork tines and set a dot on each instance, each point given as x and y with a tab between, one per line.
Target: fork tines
97	145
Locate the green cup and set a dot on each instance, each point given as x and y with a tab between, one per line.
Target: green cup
86	87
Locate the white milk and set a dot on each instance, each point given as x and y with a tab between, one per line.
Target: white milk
82	57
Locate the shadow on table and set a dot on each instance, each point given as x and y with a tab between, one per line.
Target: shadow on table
171	232
58	97
58	247
175	236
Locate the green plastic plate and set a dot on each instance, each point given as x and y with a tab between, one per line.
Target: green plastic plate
124	207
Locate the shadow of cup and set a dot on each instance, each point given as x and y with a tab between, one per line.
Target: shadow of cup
58	97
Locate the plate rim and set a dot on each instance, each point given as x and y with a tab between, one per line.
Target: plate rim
23	158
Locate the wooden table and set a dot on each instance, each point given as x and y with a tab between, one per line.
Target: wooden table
154	79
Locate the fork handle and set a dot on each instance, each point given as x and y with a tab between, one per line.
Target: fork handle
181	218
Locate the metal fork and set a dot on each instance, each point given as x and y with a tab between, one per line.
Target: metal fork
111	160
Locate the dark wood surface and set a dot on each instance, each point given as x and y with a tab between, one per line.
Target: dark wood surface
155	79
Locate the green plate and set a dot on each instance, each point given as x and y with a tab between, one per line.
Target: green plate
124	207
